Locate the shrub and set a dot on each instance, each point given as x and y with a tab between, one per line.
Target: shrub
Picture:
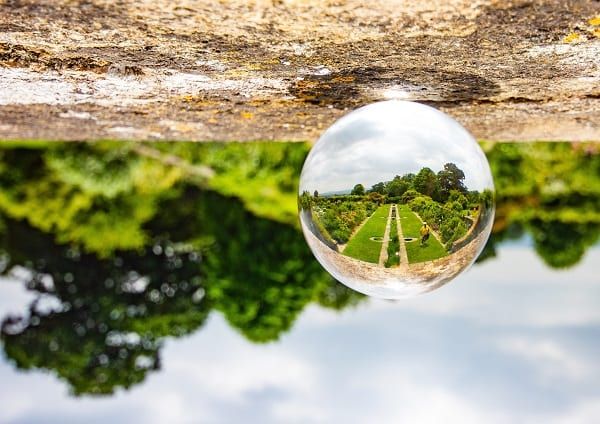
452	229
429	210
305	200
409	195
340	217
459	198
454	206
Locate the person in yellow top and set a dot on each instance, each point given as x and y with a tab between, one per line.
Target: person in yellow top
424	233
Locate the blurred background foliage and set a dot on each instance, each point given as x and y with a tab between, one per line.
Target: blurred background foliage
129	243
549	192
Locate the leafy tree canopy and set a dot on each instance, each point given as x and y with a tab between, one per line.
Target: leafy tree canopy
358	190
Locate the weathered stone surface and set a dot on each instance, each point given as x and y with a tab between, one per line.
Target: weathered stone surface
285	69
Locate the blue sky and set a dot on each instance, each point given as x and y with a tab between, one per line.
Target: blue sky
509	341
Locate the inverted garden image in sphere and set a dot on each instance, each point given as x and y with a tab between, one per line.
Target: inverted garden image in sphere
396	199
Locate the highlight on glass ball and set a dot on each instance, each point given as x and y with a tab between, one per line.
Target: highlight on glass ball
396	199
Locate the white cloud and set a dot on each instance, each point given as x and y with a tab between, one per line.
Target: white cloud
382	140
553	360
586	411
408	400
15	298
253	368
516	288
511	341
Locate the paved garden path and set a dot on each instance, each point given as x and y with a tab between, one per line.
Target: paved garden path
383	255
402	250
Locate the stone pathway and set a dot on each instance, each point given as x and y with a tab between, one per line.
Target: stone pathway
373	279
386	239
402	251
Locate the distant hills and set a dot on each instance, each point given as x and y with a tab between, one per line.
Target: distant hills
336	193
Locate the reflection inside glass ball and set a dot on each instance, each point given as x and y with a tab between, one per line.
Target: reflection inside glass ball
396	199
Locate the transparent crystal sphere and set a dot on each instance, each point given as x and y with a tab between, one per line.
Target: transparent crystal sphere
396	199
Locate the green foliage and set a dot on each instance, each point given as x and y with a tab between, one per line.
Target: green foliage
95	222
358	190
274	275
305	200
361	246
84	192
106	169
376	198
263	175
486	199
97	217
452	229
426	182
447	219
273	279
408	196
562	245
378	188
461	200
339	217
398	186
411	226
550	190
196	251
336	296
105	335
431	212
450	178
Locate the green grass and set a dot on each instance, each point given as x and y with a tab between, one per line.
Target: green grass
393	258
432	249
360	246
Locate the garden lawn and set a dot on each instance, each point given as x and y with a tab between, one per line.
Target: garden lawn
360	246
411	226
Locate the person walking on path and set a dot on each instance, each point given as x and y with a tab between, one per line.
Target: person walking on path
424	233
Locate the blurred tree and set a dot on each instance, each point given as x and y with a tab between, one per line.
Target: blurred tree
398	186
109	316
376	197
358	190
550	190
198	251
137	247
378	188
562	245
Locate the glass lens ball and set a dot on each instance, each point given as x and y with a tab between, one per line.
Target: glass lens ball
396	199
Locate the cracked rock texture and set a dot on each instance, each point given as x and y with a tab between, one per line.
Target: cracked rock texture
286	69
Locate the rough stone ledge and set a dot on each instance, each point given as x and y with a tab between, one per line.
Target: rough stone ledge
286	69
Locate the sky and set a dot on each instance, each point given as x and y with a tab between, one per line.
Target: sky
509	341
385	139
